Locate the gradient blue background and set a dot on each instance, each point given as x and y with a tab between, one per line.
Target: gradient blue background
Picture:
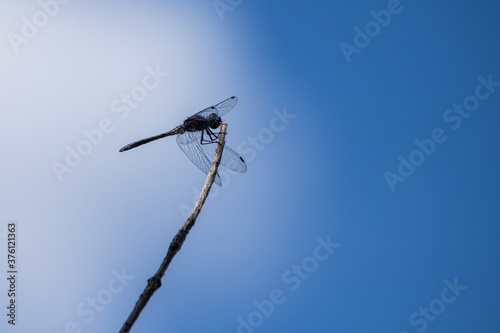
321	176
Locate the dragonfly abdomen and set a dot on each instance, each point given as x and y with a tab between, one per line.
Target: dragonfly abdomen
175	131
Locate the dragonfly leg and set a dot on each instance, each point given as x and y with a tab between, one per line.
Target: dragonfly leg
213	137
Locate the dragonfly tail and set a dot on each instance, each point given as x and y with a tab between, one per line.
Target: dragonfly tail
153	138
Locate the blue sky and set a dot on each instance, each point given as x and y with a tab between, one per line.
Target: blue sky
371	134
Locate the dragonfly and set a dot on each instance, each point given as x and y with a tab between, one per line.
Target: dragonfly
198	139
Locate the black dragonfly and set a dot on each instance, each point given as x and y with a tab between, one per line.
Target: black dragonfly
198	140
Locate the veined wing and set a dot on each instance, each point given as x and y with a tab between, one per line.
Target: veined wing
189	142
220	109
203	155
230	159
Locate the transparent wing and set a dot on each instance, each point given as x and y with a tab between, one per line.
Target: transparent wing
230	159
221	109
189	142
188	137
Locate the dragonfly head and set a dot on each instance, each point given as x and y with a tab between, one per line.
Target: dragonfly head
214	120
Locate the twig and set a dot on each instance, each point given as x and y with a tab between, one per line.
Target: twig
154	283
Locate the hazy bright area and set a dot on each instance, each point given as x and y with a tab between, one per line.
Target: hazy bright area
371	131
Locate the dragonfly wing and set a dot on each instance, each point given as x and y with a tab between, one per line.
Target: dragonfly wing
189	142
220	109
188	137
230	159
233	161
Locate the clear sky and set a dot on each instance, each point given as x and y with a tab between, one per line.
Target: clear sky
371	131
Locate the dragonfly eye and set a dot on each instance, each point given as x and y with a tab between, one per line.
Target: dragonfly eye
214	120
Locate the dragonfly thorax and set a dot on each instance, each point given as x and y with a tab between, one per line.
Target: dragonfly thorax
214	120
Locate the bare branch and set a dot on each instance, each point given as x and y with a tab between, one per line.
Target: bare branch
154	283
